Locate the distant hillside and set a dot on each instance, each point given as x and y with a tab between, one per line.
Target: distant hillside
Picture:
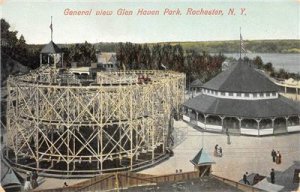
255	46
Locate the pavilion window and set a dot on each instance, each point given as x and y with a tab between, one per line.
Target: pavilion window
246	94
230	94
254	95
238	94
249	124
293	121
193	114
200	117
222	93
274	94
279	122
213	120
261	94
231	122
291	90
186	111
268	94
281	89
265	124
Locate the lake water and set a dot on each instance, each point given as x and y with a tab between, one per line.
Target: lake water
288	62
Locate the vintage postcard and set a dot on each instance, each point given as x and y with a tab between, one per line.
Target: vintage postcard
150	95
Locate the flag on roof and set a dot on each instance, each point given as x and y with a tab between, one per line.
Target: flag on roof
243	49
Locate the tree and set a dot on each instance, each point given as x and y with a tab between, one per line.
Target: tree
269	67
85	54
156	56
178	58
120	54
258	62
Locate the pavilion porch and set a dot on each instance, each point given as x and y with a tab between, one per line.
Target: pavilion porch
242	125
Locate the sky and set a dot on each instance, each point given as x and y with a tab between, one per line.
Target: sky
264	19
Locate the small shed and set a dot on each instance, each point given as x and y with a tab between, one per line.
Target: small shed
202	162
10	180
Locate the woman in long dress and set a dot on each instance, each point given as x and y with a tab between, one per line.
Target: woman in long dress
27	185
277	157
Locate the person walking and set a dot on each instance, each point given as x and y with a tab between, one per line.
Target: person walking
245	178
65	184
220	151
27	185
34	177
273	154
279	158
216	150
272	174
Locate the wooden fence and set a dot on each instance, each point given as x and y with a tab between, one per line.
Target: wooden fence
241	186
123	180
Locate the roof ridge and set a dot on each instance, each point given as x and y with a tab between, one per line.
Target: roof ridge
241	77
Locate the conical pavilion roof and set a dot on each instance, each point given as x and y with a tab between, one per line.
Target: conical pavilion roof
243	78
51	47
202	158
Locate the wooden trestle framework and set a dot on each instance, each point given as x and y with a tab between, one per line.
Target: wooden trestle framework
62	125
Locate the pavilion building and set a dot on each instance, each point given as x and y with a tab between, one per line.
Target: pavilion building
242	100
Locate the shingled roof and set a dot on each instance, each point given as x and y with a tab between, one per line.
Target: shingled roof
241	77
51	47
196	83
244	108
202	158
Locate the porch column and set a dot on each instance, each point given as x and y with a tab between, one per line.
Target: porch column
273	124
196	115
258	122
205	120
240	122
222	121
286	121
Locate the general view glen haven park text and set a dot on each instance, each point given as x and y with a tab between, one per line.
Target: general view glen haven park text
216	115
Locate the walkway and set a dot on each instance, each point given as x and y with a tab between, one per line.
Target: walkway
245	153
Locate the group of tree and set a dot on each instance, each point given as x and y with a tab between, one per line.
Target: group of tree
84	54
166	56
268	67
16	48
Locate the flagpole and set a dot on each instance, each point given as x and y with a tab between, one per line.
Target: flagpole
51	30
240	43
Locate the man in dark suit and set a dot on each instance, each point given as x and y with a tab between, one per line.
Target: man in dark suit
272	174
273	154
245	178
